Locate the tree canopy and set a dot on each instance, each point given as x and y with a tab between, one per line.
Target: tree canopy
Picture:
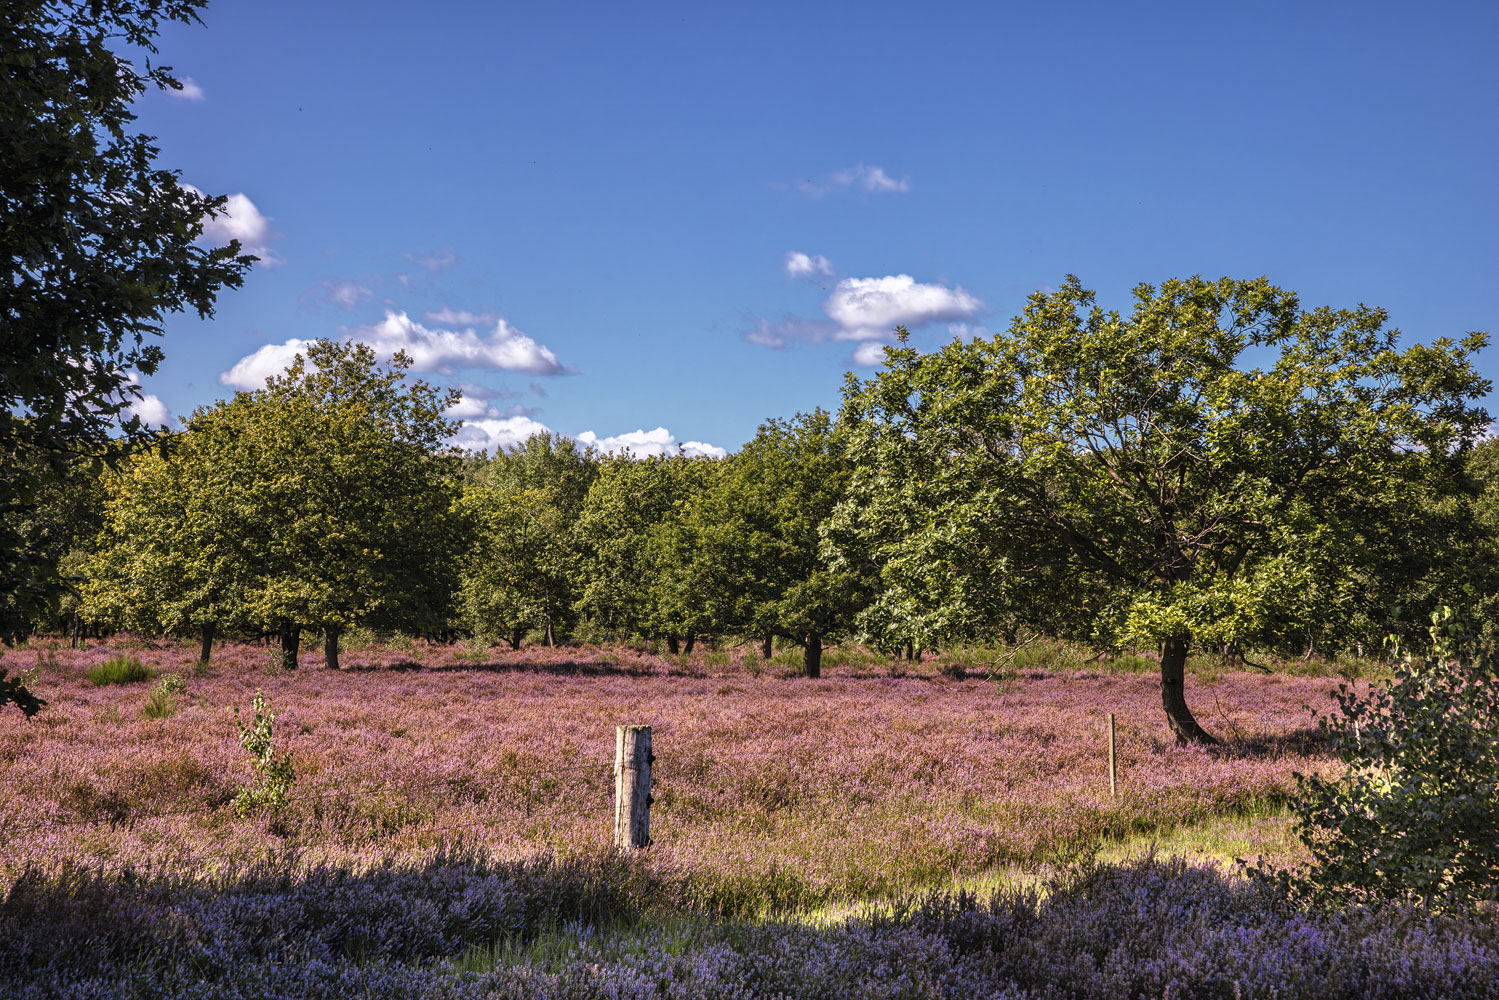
99	244
326	499
1220	466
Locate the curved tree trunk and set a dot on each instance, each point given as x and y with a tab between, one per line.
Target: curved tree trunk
767	648
206	650
515	638
812	655
671	644
330	646
291	641
1173	695
689	642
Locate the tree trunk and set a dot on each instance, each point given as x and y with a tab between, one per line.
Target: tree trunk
515	639
689	642
551	639
767	647
330	646
1173	696
75	631
812	656
671	644
205	652
291	641
910	650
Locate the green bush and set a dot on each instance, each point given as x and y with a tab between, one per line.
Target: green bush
121	668
161	703
274	775
1415	814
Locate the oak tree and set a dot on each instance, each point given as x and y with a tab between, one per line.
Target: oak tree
1220	466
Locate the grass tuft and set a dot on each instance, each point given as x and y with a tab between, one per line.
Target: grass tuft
122	668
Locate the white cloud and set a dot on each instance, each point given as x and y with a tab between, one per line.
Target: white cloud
251	371
800	265
870	308
458	317
789	330
863	177
438	350
190	91
430	350
151	410
239	219
346	294
963	331
644	444
493	433
870	354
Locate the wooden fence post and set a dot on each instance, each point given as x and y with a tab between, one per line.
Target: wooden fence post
1113	767
632	786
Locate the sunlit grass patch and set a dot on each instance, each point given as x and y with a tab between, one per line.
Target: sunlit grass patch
122	668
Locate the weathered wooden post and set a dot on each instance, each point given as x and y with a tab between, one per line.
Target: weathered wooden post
632	787
1113	768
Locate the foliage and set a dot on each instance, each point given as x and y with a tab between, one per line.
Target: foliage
274	775
161	702
17	691
1220	467
634	567
122	668
758	552
324	499
99	245
171	556
523	571
1415	813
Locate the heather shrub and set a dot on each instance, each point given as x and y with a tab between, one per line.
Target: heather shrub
1415	814
274	775
122	668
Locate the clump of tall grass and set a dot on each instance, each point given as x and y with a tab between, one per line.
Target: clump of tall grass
161	703
122	668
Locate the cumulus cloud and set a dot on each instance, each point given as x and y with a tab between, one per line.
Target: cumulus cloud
239	219
190	91
645	444
870	308
441	350
870	354
492	433
789	330
151	410
346	294
477	407
863	177
431	350
251	371
458	317
801	265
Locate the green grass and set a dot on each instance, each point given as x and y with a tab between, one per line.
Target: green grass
120	669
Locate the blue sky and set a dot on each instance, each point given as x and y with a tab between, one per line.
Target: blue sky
611	218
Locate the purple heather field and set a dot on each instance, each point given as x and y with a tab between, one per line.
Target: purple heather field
447	834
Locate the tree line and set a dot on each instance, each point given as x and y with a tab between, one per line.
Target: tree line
1217	469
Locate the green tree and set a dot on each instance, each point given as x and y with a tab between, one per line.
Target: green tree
631	577
171	556
1219	467
326	499
523	572
99	245
1415	813
758	549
